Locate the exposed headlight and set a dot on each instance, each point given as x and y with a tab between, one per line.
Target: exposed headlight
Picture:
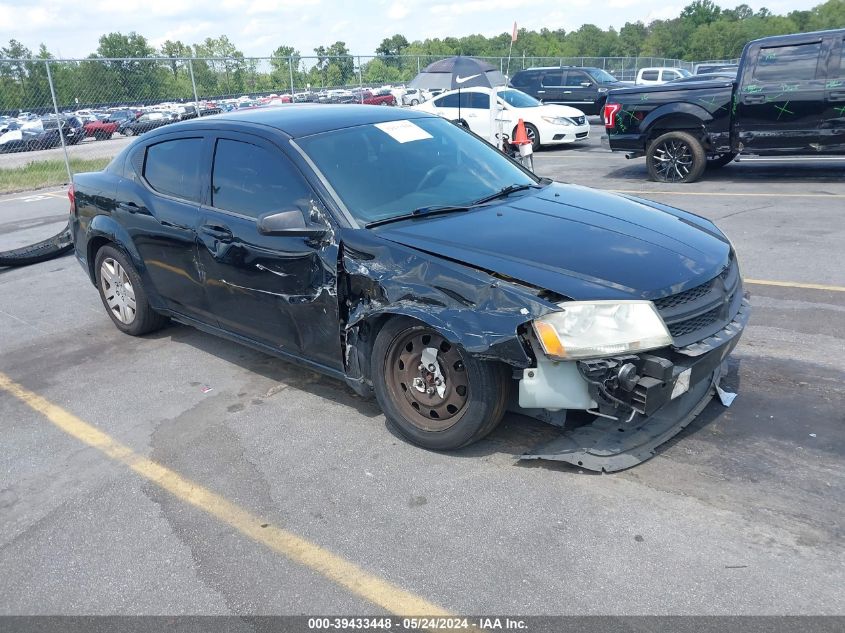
557	120
590	329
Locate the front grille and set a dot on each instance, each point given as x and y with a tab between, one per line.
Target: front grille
684	297
701	311
579	120
696	323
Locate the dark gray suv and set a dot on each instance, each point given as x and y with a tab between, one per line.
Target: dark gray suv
582	88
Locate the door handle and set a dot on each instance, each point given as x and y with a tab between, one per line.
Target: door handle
220	233
131	207
749	99
541	92
836	95
567	92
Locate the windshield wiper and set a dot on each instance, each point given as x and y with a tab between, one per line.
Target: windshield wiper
504	192
422	211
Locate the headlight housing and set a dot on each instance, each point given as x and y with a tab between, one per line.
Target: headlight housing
557	120
591	329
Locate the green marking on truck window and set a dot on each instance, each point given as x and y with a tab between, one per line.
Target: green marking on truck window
753	88
768	58
735	102
783	109
644	97
833	83
840	110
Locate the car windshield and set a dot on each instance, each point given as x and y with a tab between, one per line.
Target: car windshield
601	76
518	99
390	169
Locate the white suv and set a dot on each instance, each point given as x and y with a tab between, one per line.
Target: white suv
660	75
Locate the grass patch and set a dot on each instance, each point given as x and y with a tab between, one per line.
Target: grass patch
45	173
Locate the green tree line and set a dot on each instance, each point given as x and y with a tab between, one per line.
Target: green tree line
702	31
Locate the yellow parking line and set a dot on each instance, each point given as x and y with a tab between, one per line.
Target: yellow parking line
640	192
794	284
331	566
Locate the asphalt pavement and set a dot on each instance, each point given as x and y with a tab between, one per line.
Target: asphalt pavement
300	500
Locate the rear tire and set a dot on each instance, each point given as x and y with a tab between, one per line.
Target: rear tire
468	403
675	157
123	294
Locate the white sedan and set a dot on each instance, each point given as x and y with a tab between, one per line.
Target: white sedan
544	124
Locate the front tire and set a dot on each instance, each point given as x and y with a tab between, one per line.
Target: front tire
431	391
676	157
123	294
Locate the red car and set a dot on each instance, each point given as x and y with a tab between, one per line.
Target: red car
381	99
100	130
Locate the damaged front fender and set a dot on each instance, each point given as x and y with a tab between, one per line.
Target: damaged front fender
483	313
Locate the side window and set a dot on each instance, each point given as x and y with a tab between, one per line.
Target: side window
651	75
553	78
837	70
447	101
574	78
479	100
523	79
173	168
668	75
788	63
248	179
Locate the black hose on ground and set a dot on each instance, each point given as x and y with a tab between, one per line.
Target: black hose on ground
50	248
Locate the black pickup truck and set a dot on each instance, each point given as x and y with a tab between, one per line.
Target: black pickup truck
788	98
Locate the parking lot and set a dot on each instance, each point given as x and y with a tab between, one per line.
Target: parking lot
183	474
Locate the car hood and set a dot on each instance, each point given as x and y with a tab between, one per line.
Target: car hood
553	110
577	242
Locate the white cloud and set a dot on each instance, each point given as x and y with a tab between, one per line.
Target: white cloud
397	11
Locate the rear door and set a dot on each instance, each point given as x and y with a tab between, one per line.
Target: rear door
833	118
475	109
160	207
552	86
781	99
277	290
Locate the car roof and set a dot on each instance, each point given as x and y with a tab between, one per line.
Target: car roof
306	119
559	67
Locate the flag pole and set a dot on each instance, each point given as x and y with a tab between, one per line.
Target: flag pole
510	50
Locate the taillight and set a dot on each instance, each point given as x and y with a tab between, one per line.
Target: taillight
71	195
610	111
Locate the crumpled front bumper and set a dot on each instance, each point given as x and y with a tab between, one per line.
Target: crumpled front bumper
610	445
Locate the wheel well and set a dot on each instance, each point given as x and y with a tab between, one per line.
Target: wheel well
94	245
676	123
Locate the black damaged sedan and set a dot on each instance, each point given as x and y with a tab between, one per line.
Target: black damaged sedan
400	253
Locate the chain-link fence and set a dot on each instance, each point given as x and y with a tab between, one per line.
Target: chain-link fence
62	116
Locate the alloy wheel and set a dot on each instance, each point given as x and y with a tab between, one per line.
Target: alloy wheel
118	291
673	160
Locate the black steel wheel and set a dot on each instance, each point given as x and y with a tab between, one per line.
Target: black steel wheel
676	157
434	393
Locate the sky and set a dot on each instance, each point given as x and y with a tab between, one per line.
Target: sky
71	28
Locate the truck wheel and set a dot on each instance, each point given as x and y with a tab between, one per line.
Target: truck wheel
432	392
720	160
675	157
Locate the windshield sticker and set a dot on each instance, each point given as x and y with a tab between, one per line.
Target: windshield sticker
403	131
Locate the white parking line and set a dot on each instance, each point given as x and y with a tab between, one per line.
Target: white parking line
36	197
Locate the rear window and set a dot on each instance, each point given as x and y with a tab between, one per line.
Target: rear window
650	75
788	63
173	168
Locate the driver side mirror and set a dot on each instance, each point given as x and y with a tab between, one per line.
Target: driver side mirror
289	223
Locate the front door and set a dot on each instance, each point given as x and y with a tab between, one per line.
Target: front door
780	99
833	118
277	290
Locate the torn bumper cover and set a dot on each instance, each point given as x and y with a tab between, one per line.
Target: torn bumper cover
611	444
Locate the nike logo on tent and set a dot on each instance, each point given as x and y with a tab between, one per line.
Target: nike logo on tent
461	80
